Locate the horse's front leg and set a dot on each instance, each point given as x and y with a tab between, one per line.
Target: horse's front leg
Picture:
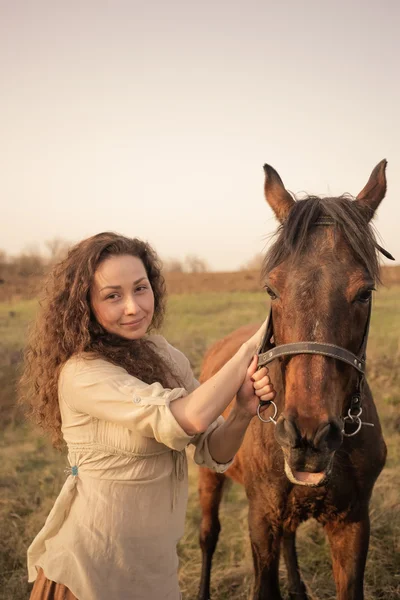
265	537
297	589
210	490
349	547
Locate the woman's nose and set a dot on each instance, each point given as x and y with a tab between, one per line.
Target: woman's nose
131	306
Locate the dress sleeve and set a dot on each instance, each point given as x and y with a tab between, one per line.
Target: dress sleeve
107	392
202	454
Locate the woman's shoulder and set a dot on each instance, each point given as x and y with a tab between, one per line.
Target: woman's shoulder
86	362
168	349
181	363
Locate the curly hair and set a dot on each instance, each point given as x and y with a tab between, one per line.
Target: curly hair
66	325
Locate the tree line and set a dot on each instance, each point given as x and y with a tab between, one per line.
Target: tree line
34	261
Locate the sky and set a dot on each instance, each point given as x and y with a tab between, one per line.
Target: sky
154	118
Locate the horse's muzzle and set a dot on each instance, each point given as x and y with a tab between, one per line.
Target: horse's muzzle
308	454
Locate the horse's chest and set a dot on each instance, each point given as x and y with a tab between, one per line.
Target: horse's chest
303	504
315	503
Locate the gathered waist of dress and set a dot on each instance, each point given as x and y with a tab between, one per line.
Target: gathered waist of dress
105	464
101	462
95	448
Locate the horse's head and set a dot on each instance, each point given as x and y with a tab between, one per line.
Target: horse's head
319	273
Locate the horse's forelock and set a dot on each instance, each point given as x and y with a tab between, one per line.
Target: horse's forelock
293	236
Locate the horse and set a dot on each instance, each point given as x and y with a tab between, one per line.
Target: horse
323	448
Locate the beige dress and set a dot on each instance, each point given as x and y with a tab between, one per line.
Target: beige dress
113	530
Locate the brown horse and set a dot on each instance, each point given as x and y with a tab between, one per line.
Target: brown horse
322	455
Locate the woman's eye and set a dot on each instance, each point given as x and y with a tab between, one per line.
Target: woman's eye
270	293
364	296
141	288
112	297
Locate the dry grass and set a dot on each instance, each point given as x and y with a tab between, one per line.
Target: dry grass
31	473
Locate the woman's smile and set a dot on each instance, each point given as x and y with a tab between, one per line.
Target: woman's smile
133	323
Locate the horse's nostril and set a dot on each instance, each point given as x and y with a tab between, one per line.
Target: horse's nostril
328	436
321	435
286	432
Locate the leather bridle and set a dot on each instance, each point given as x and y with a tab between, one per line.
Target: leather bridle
269	352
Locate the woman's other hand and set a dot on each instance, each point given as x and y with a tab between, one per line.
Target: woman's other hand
255	387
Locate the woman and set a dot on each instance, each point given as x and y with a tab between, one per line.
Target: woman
127	405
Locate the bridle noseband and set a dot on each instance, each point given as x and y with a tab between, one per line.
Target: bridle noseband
269	352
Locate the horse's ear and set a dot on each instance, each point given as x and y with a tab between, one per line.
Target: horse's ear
374	192
276	195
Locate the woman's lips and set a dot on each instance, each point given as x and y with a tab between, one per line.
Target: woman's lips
133	323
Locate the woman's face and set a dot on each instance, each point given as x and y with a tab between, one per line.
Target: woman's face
121	296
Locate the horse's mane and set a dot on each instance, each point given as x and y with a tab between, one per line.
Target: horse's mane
292	237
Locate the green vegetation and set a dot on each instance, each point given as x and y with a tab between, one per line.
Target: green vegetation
32	473
195	321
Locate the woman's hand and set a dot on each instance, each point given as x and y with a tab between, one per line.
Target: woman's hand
255	387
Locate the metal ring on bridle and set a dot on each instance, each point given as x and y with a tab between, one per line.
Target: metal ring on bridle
357	416
353	419
270	419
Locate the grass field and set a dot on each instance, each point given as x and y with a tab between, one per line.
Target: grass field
32	473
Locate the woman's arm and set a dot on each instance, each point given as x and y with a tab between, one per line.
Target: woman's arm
225	441
196	411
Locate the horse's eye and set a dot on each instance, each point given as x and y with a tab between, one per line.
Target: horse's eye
364	296
270	293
